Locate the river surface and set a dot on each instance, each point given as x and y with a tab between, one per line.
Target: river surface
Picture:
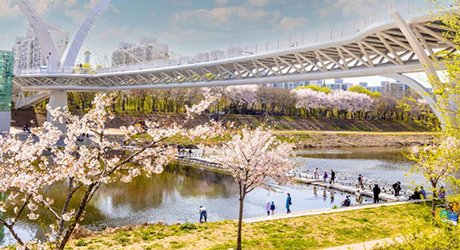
177	193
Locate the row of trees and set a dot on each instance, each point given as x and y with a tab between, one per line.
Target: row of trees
308	102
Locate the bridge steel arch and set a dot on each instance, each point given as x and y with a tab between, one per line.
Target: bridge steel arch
85	27
49	48
44	38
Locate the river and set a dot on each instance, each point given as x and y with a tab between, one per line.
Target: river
177	193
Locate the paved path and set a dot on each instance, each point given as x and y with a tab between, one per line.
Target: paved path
323	211
367	245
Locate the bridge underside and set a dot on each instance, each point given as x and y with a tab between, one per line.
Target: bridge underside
377	50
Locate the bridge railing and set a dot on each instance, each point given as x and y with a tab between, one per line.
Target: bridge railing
405	7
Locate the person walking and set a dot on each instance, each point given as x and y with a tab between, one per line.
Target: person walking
361	182
272	208
325	177
442	193
397	188
315	174
376	192
332	177
359	197
288	203
203	214
422	193
268	207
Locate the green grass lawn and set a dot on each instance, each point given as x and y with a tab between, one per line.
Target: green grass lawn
312	232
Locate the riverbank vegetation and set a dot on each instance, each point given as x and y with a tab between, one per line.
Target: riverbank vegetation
309	103
312	232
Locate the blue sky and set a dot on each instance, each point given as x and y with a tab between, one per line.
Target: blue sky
188	26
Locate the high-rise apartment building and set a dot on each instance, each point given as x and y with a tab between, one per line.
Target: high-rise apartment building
147	50
28	53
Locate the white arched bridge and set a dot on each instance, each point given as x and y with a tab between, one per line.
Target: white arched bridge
391	41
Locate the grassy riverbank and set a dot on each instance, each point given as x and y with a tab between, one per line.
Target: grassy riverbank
315	232
281	123
330	139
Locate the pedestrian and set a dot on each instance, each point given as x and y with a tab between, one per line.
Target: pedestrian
268	207
397	188
315	174
332	177
325	177
361	182
272	208
288	203
442	193
376	192
346	202
359	197
203	214
415	195
422	193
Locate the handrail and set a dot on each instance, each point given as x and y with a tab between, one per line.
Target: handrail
405	7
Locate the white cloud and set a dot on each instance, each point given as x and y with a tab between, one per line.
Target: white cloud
288	24
347	8
259	3
221	2
8	9
227	17
78	15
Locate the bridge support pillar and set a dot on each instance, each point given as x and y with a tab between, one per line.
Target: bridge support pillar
5	122
58	99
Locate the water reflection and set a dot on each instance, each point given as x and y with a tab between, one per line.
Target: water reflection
383	165
177	193
175	196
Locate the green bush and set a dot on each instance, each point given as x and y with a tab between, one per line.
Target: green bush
188	227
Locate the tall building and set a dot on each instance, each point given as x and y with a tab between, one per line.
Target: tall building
6	88
364	84
28	53
288	85
339	85
396	90
147	50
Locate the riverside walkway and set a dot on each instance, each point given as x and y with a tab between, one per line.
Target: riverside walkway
324	211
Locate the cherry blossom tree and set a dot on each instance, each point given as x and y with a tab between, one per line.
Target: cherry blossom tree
338	100
244	96
436	163
254	158
48	159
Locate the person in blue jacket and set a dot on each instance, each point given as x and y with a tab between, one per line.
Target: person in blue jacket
288	203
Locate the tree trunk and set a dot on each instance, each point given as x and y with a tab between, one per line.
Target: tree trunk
434	185
240	224
433	207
